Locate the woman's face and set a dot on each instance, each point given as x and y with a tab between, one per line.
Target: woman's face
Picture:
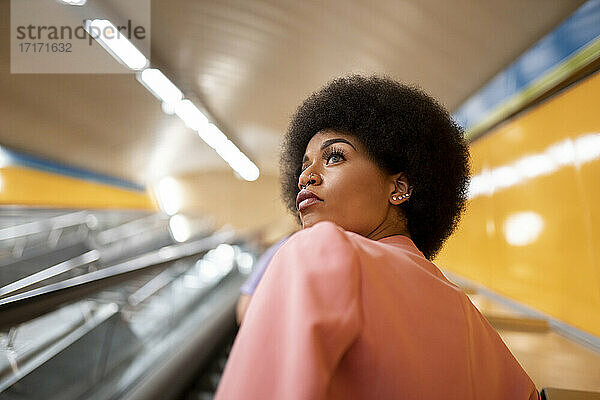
355	192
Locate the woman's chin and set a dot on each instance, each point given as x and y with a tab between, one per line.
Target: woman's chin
309	220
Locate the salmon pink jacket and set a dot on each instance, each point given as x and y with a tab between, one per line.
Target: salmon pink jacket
340	316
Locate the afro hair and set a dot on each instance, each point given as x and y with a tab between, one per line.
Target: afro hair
403	130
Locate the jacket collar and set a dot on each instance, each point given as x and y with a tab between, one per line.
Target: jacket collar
406	243
400	241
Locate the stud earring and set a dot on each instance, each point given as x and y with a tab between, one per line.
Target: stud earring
404	196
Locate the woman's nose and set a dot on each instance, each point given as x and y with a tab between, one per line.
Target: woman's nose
308	178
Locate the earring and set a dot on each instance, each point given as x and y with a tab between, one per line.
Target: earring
404	196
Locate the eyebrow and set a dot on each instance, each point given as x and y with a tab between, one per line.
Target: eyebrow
329	143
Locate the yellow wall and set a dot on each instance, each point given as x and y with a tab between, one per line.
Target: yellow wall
246	206
30	187
559	272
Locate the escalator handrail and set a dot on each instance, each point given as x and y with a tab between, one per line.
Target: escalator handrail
50	272
44	225
130	228
25	306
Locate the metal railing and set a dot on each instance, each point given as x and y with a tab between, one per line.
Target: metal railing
24	306
91	249
48	232
60	268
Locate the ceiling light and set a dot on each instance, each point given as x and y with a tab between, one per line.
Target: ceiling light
189	113
230	153
160	86
74	2
168	194
213	136
115	43
168	108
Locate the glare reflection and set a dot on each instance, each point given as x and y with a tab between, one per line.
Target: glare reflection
490	227
212	267
569	152
208	271
180	228
562	153
192	282
216	264
523	228
244	262
536	165
223	254
505	177
587	148
4	158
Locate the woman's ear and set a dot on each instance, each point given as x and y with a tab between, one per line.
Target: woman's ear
401	184
402	188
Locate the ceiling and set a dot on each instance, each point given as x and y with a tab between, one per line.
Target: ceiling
251	63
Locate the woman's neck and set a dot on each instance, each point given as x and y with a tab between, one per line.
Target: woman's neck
376	235
394	224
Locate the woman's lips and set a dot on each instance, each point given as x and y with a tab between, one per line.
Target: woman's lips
304	204
306	198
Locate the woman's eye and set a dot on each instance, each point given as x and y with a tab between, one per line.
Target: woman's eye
337	157
334	156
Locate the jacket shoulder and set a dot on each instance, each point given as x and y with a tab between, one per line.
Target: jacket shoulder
324	236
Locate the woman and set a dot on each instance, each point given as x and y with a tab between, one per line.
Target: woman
351	306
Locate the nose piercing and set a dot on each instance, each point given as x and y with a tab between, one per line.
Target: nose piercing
310	179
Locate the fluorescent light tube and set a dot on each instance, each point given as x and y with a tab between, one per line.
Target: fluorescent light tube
212	136
115	43
189	113
168	194
74	2
229	152
160	86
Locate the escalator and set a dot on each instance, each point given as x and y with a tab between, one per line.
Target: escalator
52	249
138	328
204	384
